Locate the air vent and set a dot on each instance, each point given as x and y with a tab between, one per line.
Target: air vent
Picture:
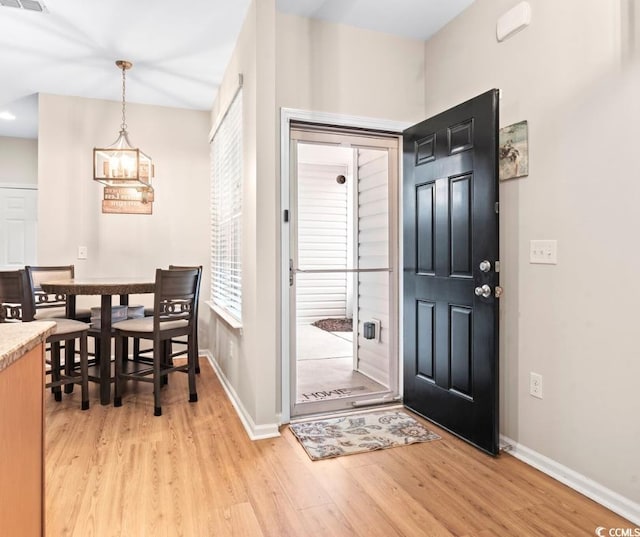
29	5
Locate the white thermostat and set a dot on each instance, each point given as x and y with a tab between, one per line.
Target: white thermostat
513	21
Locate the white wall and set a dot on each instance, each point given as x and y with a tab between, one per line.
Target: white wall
69	201
575	323
18	161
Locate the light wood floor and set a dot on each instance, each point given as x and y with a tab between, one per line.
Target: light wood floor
194	472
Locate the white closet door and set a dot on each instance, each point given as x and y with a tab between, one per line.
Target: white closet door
18	217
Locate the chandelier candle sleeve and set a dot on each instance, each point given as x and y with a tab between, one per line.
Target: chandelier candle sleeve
121	164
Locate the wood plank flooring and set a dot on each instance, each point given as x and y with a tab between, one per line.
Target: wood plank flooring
193	472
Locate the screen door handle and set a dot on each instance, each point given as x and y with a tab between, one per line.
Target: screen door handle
337	271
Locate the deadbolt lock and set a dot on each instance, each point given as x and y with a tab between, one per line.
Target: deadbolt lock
485	266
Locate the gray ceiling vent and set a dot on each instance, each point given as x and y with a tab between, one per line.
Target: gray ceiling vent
29	5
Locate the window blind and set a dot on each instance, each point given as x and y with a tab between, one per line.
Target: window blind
226	211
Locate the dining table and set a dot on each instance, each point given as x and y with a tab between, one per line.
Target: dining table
106	288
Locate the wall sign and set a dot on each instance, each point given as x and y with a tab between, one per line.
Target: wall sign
127	200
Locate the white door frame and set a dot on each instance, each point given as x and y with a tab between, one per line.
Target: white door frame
287	115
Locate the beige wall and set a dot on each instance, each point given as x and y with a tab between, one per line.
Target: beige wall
18	161
575	323
69	201
327	67
293	62
247	357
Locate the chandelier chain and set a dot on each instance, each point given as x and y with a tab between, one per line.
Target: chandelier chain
123	126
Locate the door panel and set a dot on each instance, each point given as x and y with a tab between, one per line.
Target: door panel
18	215
450	226
460	226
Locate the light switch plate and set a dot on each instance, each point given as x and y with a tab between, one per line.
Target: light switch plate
543	251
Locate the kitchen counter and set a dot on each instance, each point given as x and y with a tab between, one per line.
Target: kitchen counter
22	427
17	339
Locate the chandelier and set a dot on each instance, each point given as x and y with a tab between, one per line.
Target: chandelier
121	164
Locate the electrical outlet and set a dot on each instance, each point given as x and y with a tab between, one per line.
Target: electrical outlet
82	252
535	385
544	252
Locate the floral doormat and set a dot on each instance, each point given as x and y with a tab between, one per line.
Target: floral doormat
367	431
335	325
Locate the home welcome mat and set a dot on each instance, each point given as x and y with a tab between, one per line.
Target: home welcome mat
336	393
357	433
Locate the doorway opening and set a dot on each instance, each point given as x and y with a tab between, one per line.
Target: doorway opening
343	278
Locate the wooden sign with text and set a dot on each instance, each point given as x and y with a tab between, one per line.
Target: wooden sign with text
127	200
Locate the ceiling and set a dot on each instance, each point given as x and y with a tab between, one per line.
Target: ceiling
179	55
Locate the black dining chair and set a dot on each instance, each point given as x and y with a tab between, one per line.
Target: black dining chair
183	342
49	305
17	305
139	354
52	306
175	304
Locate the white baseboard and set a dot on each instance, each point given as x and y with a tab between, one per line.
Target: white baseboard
611	500
255	432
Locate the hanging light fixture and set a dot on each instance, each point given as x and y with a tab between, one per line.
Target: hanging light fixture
121	164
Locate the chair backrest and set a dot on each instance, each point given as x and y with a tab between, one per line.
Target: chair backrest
16	303
176	295
199	269
37	275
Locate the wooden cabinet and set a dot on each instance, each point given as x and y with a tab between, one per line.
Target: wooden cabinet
22	446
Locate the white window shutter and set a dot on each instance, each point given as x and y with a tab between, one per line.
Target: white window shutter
226	211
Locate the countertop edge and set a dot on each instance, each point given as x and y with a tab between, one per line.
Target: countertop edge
17	339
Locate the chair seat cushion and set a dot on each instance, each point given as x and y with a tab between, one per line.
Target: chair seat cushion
44	314
145	324
67	326
49	313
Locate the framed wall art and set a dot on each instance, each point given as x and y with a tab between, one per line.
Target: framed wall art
513	151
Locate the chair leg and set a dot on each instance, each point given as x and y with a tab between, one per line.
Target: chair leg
165	353
55	370
69	362
84	371
197	350
157	380
192	354
117	384
96	350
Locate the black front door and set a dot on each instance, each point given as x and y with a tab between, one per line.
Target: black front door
450	278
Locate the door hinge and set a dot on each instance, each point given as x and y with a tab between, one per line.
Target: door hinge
290	272
286	215
497	207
